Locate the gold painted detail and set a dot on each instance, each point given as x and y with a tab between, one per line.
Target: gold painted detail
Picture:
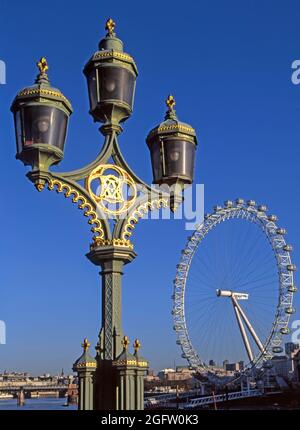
170	102
42	65
125	342
112	183
143	364
41	91
112	54
85	345
110	26
83	204
130	363
112	242
176	127
140	212
124	363
86	364
39	187
136	345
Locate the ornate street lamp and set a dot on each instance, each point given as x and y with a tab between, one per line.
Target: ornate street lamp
41	116
172	145
111	76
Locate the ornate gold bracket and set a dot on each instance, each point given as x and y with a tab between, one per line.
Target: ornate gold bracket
139	212
108	199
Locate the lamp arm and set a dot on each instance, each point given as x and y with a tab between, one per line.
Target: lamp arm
124	226
101	158
121	162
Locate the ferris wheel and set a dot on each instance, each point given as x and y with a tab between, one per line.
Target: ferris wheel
233	291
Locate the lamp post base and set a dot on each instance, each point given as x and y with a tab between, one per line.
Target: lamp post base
119	377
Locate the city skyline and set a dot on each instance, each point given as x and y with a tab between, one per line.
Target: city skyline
245	109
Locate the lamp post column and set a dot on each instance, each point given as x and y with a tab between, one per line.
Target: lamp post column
111	259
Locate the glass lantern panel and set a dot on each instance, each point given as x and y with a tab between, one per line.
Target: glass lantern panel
179	158
156	162
44	124
93	89
19	134
116	83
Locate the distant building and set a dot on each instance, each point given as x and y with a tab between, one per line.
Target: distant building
225	362
296	366
164	372
242	365
282	366
287	366
180	374
291	347
151	378
232	367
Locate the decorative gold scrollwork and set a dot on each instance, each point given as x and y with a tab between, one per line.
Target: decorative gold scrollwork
83	204
140	212
113	182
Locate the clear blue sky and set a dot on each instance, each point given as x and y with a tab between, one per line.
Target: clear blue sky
228	63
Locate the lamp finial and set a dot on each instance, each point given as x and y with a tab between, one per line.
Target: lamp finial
110	26
42	66
136	345
85	345
170	102
125	342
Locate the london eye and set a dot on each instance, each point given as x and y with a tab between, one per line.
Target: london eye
233	291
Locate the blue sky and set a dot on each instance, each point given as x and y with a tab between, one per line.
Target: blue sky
228	64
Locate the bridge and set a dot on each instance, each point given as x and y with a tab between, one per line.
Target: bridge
32	387
168	400
219	398
163	398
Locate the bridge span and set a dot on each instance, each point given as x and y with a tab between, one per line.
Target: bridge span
172	400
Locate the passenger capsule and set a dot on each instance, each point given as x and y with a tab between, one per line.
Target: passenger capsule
292	289
290	310
272	218
281	231
217	208
172	312
251	202
291	267
206	216
277	349
240	201
178	342
285	330
262	208
228	204
288	248
173	297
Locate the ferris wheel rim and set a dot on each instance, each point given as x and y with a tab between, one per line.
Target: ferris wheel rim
285	286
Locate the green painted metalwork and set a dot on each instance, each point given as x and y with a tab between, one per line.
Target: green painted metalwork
113	380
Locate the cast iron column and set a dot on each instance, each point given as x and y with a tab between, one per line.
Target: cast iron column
111	260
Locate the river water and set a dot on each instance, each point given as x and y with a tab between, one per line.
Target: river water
37	404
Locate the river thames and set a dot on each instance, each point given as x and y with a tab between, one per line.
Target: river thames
37	404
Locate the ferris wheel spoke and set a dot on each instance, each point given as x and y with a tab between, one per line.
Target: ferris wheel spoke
255	265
